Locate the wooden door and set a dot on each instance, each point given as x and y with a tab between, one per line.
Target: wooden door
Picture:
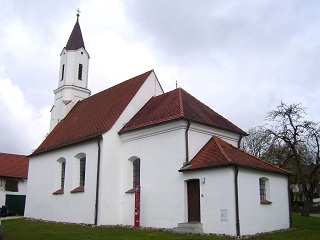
193	191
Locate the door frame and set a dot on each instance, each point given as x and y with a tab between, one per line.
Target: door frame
193	200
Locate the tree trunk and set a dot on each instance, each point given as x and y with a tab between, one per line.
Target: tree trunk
307	205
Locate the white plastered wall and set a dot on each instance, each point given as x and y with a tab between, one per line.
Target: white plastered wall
71	60
44	179
256	217
199	135
111	168
162	153
217	193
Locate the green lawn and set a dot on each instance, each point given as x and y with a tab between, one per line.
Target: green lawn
21	229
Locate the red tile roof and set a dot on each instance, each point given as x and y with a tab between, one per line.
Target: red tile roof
93	116
12	165
178	104
217	153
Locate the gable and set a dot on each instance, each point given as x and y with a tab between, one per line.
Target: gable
13	165
217	153
93	116
178	104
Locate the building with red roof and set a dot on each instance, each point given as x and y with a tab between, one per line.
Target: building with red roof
134	155
13	182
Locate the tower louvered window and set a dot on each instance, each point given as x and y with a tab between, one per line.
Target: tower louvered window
62	72
80	72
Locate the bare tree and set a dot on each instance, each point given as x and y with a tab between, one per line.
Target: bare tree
257	142
261	143
299	139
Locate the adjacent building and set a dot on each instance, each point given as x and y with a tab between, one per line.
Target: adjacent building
13	182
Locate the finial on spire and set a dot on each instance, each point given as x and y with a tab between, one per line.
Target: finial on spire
78	12
176	84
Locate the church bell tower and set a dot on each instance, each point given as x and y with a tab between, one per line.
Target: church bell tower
73	76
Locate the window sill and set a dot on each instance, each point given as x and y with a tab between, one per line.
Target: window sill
265	202
78	189
132	190
60	191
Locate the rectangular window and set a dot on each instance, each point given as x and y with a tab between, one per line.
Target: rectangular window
63	174
262	184
62	72
11	185
80	72
82	170
136	172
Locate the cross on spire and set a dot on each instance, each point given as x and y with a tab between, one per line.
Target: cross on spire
78	12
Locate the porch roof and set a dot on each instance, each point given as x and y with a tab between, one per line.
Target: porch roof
217	153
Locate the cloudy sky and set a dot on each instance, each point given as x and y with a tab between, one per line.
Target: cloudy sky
241	58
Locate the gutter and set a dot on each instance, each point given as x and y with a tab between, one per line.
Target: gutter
236	171
187	143
97	186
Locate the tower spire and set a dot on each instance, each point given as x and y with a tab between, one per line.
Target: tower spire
75	40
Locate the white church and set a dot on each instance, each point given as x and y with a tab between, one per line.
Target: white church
135	155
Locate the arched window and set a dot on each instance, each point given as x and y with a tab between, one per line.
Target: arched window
264	186
136	172
82	171
79	176
135	163
60	176
63	173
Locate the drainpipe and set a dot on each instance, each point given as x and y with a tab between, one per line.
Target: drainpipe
239	142
289	199
236	170
187	143
97	186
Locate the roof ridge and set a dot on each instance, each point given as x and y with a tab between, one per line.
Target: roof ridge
222	150
262	160
114	86
258	159
181	102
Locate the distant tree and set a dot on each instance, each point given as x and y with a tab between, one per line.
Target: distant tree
262	144
289	141
257	142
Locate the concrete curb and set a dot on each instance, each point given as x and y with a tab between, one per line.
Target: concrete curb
11	217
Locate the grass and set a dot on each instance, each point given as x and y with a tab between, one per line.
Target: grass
21	229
